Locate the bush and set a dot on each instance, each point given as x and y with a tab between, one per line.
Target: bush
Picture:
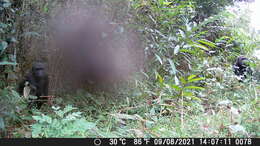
10	104
63	123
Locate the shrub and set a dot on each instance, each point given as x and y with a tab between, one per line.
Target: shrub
63	123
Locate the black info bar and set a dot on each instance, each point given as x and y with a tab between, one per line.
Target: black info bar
131	141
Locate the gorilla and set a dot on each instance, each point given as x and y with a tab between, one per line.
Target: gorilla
241	68
38	81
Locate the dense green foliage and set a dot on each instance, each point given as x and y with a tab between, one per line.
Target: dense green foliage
64	124
187	89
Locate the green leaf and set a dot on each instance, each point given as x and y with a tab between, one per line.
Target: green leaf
208	43
187	94
183	35
15	94
45	8
191	77
196	79
159	59
7	63
37	118
173	68
188	51
195	98
2	123
193	87
176	49
200	46
161	2
68	108
166	3
36	130
83	124
6	3
2	25
236	129
3	46
11	39
159	77
177	81
183	81
176	87
124	116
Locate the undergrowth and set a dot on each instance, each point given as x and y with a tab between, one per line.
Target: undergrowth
187	89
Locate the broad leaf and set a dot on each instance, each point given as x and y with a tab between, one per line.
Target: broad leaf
200	46
176	87
159	59
7	63
176	49
196	79
159	77
2	123
193	87
173	68
191	77
208	43
188	94
177	81
3	46
183	81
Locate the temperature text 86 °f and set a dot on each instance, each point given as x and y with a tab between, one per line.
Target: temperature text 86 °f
140	141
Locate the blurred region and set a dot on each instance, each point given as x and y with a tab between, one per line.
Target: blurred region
255	8
89	49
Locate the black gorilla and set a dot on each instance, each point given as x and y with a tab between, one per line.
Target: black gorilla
38	82
241	68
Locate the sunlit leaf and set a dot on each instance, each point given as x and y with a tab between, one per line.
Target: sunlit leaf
176	49
182	34
166	3
177	81
160	2
196	79
237	129
45	8
188	27
200	46
159	59
183	81
173	68
3	46
2	25
208	43
195	98
82	123
2	124
124	116
188	51
193	87
187	94
6	3
191	77
7	63
159	77
176	87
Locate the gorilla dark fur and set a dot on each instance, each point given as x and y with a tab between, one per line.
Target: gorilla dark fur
38	82
241	68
